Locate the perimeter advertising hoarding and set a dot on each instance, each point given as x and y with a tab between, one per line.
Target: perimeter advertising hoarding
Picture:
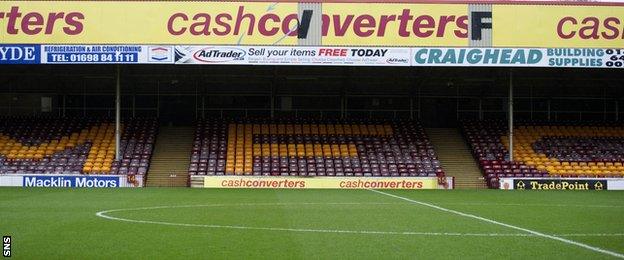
53	181
343	24
264	182
71	180
561	184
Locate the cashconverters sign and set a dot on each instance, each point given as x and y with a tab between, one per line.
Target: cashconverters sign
332	24
264	182
558	26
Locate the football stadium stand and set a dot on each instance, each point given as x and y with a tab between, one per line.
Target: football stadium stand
546	150
74	145
301	147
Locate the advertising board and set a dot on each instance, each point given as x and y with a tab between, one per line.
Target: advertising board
265	182
583	184
431	24
71	180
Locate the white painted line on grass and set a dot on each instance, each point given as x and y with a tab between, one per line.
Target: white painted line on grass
105	214
591	235
527	205
536	233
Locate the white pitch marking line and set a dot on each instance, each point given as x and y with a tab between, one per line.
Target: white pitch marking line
528	205
539	234
592	235
103	214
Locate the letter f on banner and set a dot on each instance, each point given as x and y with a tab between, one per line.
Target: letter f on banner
477	24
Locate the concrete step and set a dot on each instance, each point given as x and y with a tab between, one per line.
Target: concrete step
456	157
169	166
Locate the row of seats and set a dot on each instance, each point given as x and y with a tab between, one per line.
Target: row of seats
301	147
306	147
571	150
74	145
546	150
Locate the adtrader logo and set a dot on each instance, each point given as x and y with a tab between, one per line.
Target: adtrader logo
219	54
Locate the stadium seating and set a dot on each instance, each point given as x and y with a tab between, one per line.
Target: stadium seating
542	150
572	150
301	147
137	145
77	146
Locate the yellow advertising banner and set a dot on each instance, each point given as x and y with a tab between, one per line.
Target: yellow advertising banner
330	24
558	26
108	22
395	24
230	23
260	182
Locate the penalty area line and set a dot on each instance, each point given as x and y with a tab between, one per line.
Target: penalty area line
536	233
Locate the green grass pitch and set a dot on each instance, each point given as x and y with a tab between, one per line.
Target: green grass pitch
162	223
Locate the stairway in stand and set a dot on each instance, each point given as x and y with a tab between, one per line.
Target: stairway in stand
456	158
170	163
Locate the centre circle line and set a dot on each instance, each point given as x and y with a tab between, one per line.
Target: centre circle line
106	215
